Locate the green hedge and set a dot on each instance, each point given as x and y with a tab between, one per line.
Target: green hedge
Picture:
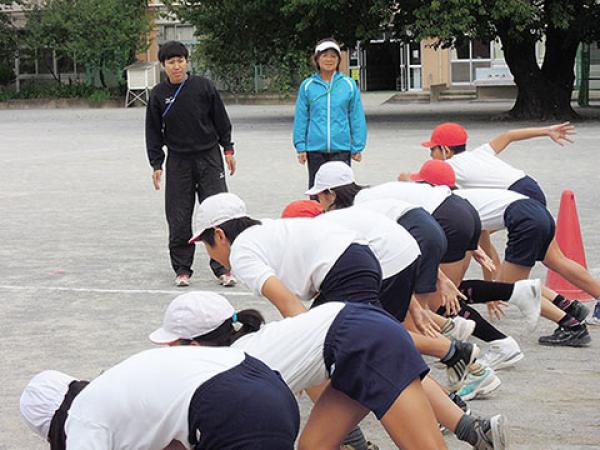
41	90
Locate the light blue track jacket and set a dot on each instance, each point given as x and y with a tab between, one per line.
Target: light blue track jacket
329	116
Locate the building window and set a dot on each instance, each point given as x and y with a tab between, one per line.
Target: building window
467	57
177	32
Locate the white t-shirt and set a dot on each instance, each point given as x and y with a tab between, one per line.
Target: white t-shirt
420	194
482	169
490	204
389	207
143	402
294	346
300	252
393	246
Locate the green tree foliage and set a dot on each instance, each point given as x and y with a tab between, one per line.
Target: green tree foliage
8	43
244	32
544	91
236	35
103	35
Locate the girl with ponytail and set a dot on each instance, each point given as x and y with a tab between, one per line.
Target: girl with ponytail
366	355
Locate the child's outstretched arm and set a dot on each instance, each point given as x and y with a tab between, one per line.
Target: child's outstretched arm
559	133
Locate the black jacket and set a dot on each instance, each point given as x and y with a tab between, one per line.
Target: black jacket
196	122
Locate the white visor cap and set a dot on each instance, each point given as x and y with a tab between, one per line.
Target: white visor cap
331	175
191	315
215	210
327	45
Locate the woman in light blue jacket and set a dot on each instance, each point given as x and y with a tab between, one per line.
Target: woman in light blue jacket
329	122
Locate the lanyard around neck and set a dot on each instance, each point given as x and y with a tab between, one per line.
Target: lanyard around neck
167	109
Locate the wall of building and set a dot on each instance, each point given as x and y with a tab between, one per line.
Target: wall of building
436	64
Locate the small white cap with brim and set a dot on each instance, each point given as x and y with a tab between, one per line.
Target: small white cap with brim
42	397
215	210
327	45
331	175
191	315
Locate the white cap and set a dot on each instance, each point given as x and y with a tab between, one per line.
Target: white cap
42	397
330	175
215	210
191	315
326	46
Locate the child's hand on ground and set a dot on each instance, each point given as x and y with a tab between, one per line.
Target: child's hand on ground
451	296
404	176
496	309
423	322
484	260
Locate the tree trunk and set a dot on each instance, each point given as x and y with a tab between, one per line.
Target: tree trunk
101	76
543	93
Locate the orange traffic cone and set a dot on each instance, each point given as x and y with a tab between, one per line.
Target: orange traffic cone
568	237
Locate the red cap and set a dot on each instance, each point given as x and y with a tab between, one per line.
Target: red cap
448	134
302	208
436	172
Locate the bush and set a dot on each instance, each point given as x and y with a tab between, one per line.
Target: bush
6	73
45	90
53	90
98	97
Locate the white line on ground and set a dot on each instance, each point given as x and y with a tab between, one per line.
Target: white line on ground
116	291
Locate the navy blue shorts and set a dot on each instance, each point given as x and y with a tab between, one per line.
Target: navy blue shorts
529	187
370	357
433	244
248	407
355	278
462	227
530	230
397	290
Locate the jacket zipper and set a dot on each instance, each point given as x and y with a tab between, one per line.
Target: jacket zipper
329	119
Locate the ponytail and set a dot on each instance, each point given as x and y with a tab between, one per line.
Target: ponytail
226	334
344	195
251	321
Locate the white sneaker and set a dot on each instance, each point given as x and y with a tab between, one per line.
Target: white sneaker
527	296
461	329
479	384
594	319
227	280
502	353
182	280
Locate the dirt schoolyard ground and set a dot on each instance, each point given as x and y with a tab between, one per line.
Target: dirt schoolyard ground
84	268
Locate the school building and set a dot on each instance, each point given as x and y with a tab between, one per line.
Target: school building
474	70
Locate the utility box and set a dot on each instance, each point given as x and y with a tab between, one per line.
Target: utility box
141	78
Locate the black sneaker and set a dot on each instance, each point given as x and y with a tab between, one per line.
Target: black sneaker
578	311
356	441
458	401
457	366
491	433
577	336
370	446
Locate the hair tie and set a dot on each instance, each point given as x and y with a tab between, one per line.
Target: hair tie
234	317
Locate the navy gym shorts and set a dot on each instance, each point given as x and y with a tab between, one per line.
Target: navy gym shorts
432	242
530	231
529	187
397	290
370	357
248	407
354	278
461	224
